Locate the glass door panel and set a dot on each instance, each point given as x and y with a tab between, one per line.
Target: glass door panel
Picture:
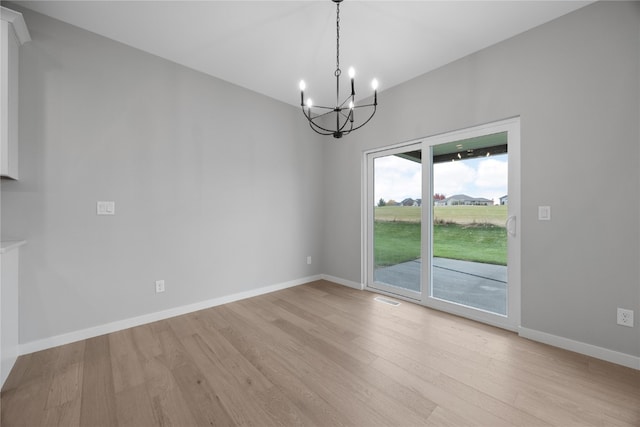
469	253
397	222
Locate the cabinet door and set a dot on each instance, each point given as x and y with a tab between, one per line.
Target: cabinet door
9	125
13	33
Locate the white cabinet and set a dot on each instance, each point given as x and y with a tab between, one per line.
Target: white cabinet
9	343
13	33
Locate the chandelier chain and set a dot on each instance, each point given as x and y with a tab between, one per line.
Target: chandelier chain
338	72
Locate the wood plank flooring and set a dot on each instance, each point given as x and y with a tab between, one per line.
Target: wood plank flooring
318	354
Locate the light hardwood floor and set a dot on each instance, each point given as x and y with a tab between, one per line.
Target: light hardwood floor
317	354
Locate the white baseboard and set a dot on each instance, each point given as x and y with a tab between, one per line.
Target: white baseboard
343	282
119	325
612	356
543	337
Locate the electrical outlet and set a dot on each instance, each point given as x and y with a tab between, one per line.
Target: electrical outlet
308	260
159	286
625	317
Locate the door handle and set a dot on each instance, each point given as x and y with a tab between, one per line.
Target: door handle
510	225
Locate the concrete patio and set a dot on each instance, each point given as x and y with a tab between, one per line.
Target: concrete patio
478	285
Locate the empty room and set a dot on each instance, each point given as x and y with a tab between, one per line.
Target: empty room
320	212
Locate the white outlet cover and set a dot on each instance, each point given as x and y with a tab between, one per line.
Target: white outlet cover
625	317
106	208
159	286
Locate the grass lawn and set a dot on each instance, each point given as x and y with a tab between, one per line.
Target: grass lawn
478	243
496	215
398	213
397	242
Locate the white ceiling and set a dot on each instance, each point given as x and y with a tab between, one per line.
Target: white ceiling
268	46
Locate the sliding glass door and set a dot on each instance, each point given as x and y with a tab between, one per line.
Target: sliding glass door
441	222
395	210
469	261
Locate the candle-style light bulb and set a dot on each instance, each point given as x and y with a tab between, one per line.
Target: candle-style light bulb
352	74
351	105
302	87
374	85
309	103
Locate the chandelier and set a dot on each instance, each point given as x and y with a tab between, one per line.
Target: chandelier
344	112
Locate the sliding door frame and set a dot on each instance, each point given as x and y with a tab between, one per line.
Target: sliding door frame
512	127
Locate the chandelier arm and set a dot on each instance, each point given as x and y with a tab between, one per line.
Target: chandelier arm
323	108
349	98
366	121
307	115
316	126
317	116
347	121
325	131
346	116
365	106
355	106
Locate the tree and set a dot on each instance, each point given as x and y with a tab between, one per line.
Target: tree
381	203
439	196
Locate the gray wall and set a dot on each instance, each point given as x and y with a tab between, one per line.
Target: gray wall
575	84
217	189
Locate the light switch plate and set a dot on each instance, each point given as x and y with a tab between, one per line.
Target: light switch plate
106	208
544	213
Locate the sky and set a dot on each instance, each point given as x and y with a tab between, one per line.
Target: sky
398	179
